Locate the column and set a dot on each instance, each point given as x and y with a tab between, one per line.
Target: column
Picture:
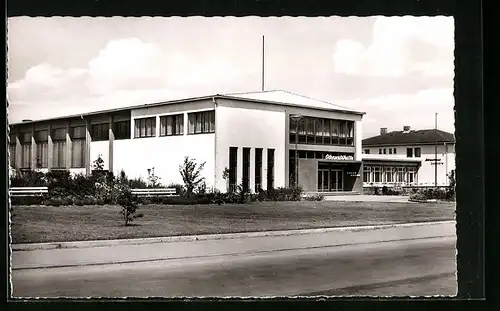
186	123
287	148
87	146
252	170
33	147
358	140
111	144
50	147
264	168
19	157
239	167
68	146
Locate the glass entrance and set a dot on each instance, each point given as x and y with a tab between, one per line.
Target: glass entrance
336	180
323	180
330	180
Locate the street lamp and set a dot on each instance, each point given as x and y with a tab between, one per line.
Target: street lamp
296	118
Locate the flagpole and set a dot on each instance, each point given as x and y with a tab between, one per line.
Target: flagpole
263	68
435	152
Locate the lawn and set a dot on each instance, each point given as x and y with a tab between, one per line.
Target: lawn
31	224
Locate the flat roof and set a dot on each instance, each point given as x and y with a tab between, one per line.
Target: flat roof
277	97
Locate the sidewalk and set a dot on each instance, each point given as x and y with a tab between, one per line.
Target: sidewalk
369	198
91	253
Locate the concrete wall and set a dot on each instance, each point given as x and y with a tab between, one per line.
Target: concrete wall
99	148
308	175
250	125
166	153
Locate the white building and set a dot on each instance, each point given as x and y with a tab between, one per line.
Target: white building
407	157
251	134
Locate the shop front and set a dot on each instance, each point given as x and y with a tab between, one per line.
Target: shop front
330	173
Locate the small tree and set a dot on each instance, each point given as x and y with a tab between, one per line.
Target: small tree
129	204
191	174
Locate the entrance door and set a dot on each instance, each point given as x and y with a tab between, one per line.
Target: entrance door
323	180
336	182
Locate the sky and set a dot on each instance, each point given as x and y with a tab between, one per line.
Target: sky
399	70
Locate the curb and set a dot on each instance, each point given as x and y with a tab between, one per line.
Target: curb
191	238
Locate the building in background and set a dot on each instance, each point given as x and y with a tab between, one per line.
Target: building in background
407	157
253	135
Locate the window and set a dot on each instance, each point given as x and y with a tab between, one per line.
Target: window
319	131
258	169
172	125
400	175
310	130
367	151
201	122
246	169
12	150
59	148
99	132
78	146
389	174
270	169
42	148
418	152
411	175
145	127
122	129
350	133
409	152
26	149
233	168
377	174
367	170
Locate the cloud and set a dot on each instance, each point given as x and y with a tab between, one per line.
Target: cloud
126	71
400	46
414	109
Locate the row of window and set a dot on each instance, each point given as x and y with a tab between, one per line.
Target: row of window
382	174
198	123
77	138
320	131
233	168
410	152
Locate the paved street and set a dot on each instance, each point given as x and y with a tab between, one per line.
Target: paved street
413	267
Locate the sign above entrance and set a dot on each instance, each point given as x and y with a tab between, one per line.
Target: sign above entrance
339	157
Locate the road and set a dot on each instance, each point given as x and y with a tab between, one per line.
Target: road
420	267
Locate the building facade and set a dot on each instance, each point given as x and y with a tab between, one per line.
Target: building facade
254	136
409	157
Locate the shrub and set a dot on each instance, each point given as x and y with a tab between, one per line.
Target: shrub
440	194
79	202
179	189
137	183
28	200
179	200
285	194
67	200
29	178
54	202
315	197
58	179
129	205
